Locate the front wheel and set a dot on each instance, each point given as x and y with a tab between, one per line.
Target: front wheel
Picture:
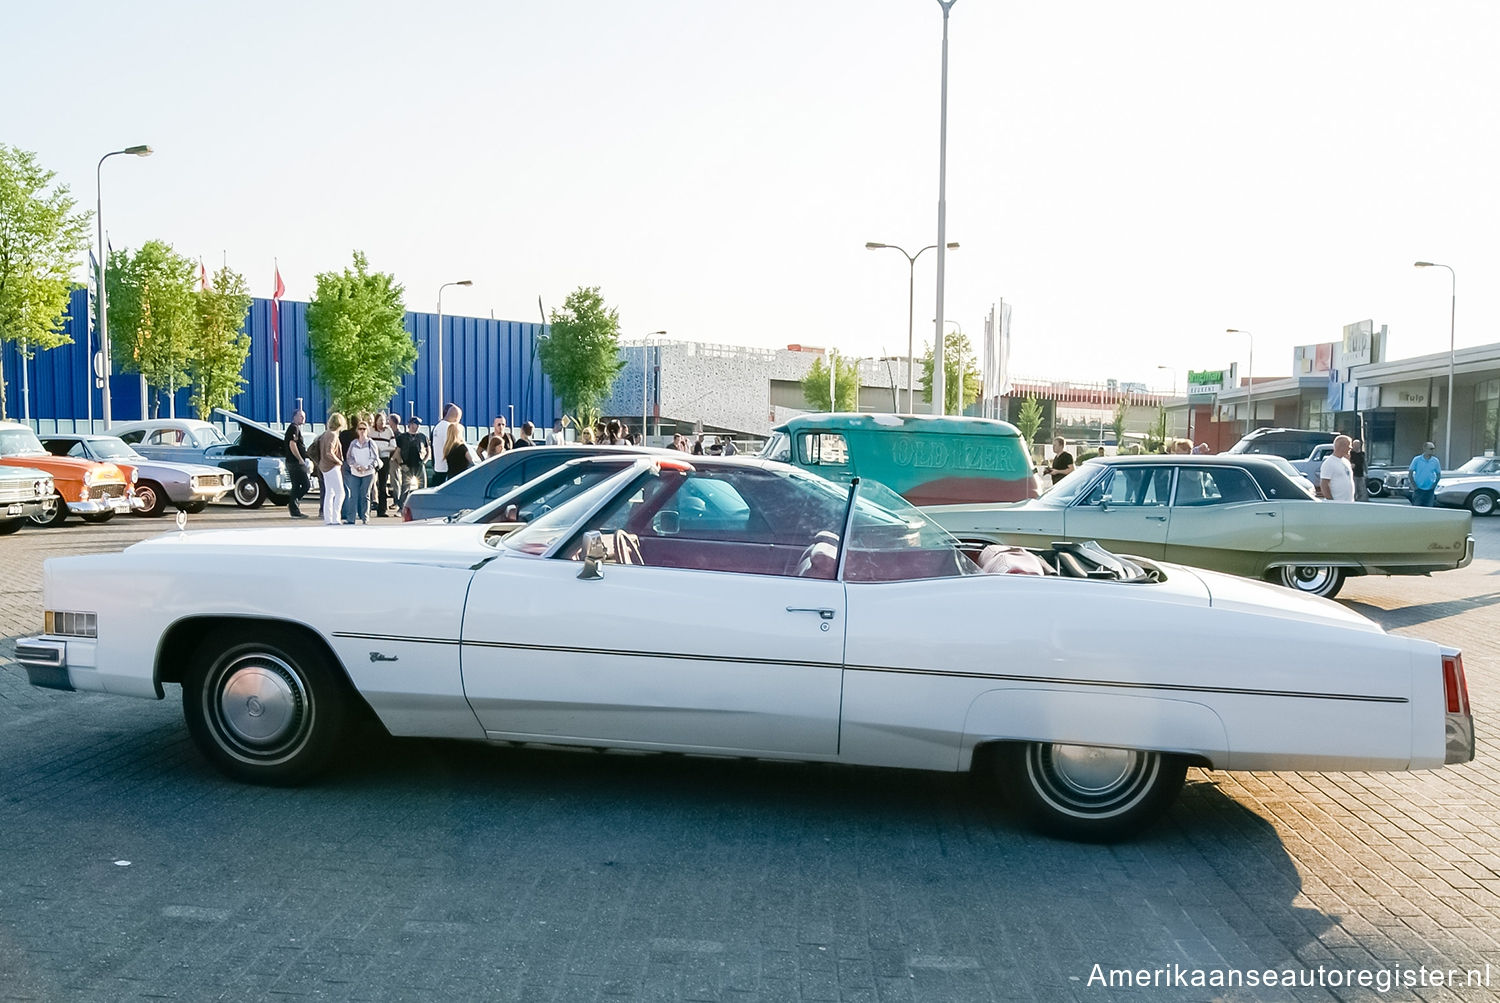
1482	502
9	526
1311	579
249	491
1375	486
265	706
153	499
194	507
1089	793
98	517
54	514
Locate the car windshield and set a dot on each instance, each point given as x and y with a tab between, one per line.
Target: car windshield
1065	490
777	447
538	536
208	435
20	442
110	448
892	540
541	495
1294	475
1478	465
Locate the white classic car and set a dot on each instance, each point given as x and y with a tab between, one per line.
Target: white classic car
860	634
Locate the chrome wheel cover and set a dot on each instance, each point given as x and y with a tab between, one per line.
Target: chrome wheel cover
146	494
1089	781
1315	579
1482	504
258	707
246	491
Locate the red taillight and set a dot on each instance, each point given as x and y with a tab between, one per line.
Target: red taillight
1455	687
406	513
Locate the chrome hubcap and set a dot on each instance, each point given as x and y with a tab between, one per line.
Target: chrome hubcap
1089	781
1310	578
261	707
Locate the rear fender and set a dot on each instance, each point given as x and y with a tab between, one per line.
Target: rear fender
1090	718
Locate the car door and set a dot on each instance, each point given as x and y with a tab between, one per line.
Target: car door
693	645
1126	511
1221	521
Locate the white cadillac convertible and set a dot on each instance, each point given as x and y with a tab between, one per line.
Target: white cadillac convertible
745	608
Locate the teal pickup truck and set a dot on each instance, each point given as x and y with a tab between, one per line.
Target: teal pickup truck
928	460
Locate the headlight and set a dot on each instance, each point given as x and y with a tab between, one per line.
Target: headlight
88	476
41	489
135	475
226	480
71	624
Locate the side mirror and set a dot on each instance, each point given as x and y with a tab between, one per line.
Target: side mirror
666	523
594	554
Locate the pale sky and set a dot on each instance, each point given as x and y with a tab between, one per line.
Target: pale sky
1133	177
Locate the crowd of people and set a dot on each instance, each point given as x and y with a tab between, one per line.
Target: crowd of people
368	464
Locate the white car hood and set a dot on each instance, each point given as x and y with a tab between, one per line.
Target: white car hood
1247	595
449	546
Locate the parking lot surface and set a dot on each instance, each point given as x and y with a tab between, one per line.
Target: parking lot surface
421	870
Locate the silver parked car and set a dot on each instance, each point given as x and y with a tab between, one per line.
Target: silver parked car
254	457
188	486
1474	486
24	492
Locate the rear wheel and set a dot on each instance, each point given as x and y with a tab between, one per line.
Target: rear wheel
9	526
264	705
153	498
98	517
1482	502
1375	486
1311	579
1087	792
249	491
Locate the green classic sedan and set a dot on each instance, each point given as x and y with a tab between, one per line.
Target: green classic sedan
1243	514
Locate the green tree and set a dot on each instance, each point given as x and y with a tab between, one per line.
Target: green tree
1118	424
357	338
152	322
41	237
1156	439
581	353
1029	419
220	346
958	357
846	384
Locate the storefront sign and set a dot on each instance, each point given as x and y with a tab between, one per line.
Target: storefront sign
1207	383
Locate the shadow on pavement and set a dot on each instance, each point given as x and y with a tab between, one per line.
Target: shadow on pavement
1410	616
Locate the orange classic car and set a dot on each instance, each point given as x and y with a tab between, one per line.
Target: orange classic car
94	491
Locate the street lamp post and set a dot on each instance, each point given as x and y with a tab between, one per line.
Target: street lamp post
911	288
1452	314
134	151
1173	371
646	380
1249	383
442	409
939	388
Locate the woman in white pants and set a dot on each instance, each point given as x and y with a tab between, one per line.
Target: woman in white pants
330	459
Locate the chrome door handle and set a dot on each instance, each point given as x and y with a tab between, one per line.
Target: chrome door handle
823	612
1269	515
1157	518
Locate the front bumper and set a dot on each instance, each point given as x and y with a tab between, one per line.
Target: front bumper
45	660
26	509
98	506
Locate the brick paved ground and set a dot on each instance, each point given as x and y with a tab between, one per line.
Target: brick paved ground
425	870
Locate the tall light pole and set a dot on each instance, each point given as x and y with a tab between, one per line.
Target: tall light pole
911	288
1452	313
1173	371
441	404
1250	383
134	151
939	385
646	380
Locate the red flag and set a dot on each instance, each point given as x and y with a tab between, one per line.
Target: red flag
203	276
276	295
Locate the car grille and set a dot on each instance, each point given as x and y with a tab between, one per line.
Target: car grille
27	492
209	481
107	491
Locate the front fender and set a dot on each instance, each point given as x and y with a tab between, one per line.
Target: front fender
1090	718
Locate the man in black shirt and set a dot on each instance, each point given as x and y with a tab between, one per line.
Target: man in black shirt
296	463
414	450
1062	460
1357	464
527	431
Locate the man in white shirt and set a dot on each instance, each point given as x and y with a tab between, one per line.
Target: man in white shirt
1336	476
439	439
